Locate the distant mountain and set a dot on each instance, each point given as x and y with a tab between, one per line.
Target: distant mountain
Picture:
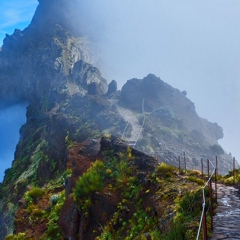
51	66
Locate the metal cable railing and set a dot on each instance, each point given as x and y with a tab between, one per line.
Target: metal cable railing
204	203
125	130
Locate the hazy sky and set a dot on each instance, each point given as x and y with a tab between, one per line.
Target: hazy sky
15	14
11	119
192	45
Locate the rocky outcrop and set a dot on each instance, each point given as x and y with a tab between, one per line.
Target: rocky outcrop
47	58
167	102
112	87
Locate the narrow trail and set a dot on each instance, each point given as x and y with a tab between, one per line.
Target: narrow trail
129	117
226	222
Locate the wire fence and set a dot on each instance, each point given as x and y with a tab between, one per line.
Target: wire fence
214	169
203	219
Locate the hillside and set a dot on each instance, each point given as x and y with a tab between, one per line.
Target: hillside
71	106
124	194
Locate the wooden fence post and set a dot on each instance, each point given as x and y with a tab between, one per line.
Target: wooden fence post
208	167
216	165
234	172
204	223
185	164
202	166
179	165
211	203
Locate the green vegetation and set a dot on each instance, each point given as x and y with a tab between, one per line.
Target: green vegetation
41	207
34	193
176	232
88	183
118	176
68	142
229	179
196	180
144	205
134	218
20	236
166	170
53	230
189	212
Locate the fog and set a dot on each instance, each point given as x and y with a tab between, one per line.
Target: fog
11	119
192	45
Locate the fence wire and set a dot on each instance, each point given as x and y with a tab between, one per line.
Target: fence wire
204	199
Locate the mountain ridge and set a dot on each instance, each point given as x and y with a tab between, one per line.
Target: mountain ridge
50	65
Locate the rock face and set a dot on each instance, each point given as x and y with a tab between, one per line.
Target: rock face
50	65
47	58
162	99
112	87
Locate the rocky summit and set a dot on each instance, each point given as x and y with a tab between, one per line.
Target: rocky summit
50	65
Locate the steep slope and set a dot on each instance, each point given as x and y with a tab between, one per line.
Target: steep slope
50	65
124	194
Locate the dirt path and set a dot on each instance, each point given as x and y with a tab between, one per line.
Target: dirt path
129	117
226	222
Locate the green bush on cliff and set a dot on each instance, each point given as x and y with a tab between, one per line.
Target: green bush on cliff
165	170
53	230
20	236
90	181
34	193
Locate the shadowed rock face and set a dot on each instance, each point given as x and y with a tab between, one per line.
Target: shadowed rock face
55	12
112	87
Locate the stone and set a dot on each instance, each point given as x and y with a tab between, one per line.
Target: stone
112	87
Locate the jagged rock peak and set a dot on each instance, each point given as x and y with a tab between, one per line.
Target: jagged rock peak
160	98
49	58
55	12
112	87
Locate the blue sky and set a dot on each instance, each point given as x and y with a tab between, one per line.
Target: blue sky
192	45
15	14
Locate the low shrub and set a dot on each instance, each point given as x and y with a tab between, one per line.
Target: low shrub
229	180
196	180
176	232
195	173
53	230
34	193
90	181
20	236
165	170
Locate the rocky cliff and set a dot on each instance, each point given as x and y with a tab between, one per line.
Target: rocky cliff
51	66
